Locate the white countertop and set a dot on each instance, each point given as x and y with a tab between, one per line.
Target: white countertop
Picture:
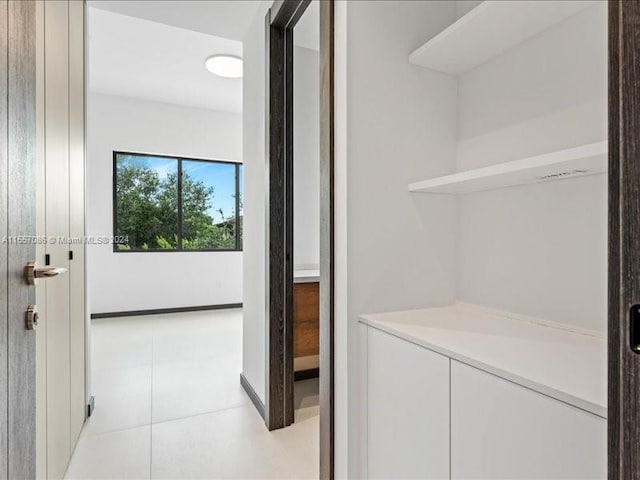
563	364
306	276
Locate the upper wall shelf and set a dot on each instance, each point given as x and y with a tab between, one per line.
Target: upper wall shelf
490	29
580	161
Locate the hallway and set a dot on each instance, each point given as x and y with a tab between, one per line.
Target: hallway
169	405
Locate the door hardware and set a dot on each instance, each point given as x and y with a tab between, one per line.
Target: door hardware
31	272
31	317
634	328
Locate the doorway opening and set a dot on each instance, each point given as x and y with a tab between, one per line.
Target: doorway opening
165	280
301	235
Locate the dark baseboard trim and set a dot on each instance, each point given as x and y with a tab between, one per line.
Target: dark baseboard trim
157	311
306	374
252	395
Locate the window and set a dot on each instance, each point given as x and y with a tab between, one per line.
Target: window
176	204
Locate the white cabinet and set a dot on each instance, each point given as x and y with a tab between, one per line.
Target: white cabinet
502	430
431	416
408	409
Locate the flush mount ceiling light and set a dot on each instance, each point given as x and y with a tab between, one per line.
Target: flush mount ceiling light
227	66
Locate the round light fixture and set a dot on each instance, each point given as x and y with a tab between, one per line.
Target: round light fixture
227	66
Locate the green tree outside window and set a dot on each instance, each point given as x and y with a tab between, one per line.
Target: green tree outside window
177	204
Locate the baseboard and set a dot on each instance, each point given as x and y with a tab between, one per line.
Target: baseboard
158	311
255	399
306	374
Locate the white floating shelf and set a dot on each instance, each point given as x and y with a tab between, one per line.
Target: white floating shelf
490	29
574	162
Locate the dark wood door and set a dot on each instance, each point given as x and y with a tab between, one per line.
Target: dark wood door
624	238
17	223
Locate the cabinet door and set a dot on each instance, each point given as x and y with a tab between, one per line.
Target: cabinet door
503	430
306	319
408	409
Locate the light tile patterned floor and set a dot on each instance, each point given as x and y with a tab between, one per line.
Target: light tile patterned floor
169	405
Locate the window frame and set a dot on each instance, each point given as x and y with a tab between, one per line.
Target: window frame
179	249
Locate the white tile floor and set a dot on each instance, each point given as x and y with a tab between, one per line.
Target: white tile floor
169	405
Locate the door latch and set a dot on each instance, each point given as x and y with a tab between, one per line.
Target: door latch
31	317
634	328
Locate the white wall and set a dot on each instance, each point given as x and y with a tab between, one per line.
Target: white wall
253	152
395	123
306	158
140	281
548	93
539	250
465	6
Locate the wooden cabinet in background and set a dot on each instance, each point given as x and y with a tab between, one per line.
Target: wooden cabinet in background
306	321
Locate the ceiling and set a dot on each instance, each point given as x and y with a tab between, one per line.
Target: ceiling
222	18
138	58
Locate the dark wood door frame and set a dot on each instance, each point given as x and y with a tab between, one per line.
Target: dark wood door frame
624	238
279	409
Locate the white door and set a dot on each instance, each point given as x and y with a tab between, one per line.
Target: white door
60	220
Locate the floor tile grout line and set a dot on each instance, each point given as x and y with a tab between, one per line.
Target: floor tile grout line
177	419
211	412
169	420
157	361
118	430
